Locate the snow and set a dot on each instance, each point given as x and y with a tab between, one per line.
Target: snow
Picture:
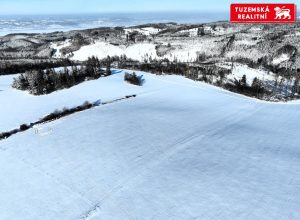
242	53
255	29
17	43
193	32
282	58
239	70
35	107
145	31
141	51
179	150
219	30
102	50
58	47
186	51
245	42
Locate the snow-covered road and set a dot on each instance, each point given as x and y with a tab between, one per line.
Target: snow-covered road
179	150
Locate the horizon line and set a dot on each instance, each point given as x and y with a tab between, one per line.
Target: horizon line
116	12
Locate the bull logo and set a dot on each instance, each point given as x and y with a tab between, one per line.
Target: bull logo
282	13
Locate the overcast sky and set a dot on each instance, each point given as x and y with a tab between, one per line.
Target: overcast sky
97	6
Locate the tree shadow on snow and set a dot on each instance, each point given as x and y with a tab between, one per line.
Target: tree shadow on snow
115	72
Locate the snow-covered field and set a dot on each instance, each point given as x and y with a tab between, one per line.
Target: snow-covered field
58	46
179	150
238	70
281	58
145	31
18	107
103	49
182	51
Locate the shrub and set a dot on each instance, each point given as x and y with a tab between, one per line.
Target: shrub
4	135
86	105
24	127
133	79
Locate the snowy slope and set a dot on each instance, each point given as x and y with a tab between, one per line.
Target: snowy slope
18	107
184	51
281	58
146	31
179	150
101	50
239	70
58	46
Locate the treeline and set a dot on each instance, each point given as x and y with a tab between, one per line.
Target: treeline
255	89
40	82
9	67
217	76
50	117
155	66
208	73
195	71
286	83
57	114
265	63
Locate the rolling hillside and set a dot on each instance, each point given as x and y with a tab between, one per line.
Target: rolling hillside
179	150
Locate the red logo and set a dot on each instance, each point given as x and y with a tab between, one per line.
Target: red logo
263	13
